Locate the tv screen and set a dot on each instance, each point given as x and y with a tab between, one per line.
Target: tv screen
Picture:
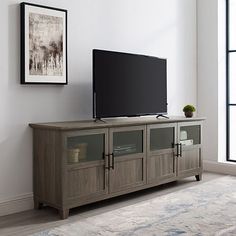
128	84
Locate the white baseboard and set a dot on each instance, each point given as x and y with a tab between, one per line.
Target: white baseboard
220	167
17	204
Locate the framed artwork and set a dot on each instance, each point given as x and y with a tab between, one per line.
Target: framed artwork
43	44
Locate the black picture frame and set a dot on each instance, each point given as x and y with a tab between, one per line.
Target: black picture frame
43	44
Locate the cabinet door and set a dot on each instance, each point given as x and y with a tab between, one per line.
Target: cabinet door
128	159
190	138
161	149
86	173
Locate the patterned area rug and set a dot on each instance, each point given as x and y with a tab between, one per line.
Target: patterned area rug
204	209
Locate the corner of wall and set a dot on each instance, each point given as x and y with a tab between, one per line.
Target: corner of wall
207	81
221	81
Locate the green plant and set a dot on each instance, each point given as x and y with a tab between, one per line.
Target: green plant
189	108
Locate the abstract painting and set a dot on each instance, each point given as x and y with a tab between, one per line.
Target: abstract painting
43	45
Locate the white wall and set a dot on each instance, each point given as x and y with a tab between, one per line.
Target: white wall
208	75
211	77
221	80
154	27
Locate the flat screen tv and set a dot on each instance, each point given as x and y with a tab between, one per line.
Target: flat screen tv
126	85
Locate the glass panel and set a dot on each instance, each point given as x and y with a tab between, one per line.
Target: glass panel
128	142
85	148
232	23
190	135
232	133
232	77
162	138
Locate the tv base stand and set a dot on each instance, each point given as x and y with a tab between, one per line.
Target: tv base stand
81	162
99	119
162	116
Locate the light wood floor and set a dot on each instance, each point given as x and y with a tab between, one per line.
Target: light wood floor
33	221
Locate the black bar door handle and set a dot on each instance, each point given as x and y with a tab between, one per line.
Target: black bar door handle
107	163
113	161
177	145
181	150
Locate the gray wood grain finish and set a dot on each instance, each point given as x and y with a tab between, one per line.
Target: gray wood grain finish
129	170
110	123
47	167
161	163
161	167
190	161
64	213
63	185
82	182
85	180
127	174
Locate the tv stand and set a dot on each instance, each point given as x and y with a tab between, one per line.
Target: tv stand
162	116
77	163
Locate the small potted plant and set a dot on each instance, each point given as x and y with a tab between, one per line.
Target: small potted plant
188	110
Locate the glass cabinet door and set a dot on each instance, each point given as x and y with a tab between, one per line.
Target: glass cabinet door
84	154
189	160
162	138
127	142
127	158
190	134
161	164
85	148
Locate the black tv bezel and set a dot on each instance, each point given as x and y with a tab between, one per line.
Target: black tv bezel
133	115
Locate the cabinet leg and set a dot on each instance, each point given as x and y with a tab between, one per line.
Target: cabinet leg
64	213
37	204
198	177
